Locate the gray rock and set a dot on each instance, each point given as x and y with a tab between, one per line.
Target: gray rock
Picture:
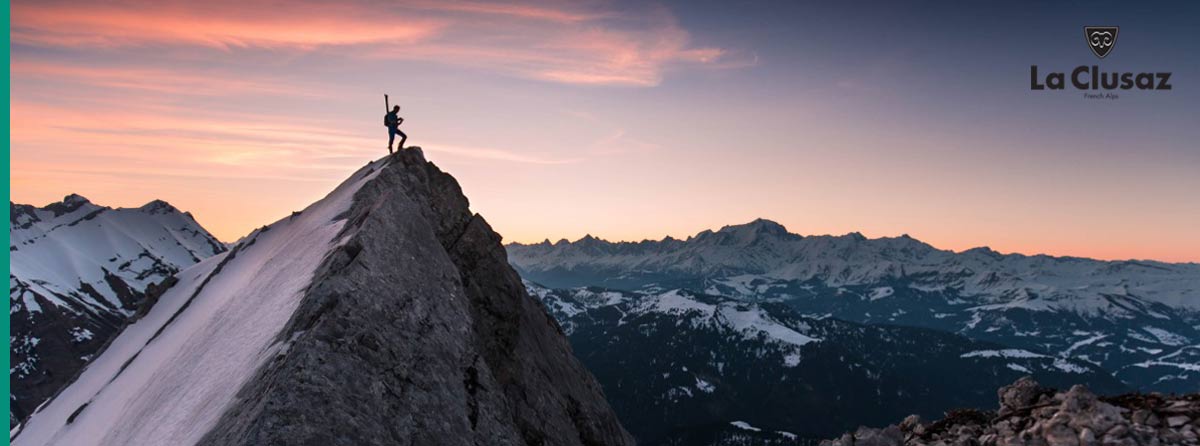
1078	399
1087	437
416	331
1023	393
1061	435
1033	416
1139	416
912	423
889	436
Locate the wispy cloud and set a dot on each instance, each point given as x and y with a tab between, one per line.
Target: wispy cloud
164	81
220	24
556	42
196	102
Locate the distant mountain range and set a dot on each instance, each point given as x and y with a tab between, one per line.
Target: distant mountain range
78	272
1136	321
745	335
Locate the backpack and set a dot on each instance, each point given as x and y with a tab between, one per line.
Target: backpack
390	120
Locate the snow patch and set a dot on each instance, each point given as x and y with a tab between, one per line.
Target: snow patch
1069	367
1005	353
1018	368
881	292
1165	337
744	426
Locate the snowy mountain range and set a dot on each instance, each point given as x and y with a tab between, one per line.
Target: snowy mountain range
684	368
1138	320
385	313
388	300
78	272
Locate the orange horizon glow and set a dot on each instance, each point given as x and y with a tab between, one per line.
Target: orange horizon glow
562	119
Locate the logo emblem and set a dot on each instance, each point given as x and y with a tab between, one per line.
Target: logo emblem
1100	39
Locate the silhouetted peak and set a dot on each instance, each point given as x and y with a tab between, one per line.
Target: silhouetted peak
746	234
69	204
158	207
589	240
75	200
984	251
758	226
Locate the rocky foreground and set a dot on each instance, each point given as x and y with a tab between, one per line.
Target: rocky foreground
1032	415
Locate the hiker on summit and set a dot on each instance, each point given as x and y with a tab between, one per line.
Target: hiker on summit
392	121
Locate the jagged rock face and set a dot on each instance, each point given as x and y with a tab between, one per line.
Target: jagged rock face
1032	415
383	314
416	331
78	272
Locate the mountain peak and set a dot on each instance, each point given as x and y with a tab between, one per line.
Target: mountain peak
69	203
748	233
984	251
158	207
75	200
758	226
590	240
492	367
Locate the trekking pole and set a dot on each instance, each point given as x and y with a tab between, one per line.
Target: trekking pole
387	106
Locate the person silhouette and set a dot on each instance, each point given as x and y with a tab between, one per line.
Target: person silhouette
392	120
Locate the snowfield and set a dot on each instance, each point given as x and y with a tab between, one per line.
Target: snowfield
55	254
167	377
78	272
746	320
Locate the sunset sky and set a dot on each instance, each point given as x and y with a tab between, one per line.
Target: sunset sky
627	120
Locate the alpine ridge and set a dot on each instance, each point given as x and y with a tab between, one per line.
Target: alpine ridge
385	313
78	272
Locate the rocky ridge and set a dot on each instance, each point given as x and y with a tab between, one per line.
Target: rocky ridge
1032	415
383	314
417	331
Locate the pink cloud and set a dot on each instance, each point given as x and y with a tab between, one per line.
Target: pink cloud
221	24
563	12
163	81
563	43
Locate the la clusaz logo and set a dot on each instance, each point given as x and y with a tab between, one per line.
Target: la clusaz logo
1097	83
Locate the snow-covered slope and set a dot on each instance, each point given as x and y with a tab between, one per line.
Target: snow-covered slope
180	383
1140	320
351	322
78	271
